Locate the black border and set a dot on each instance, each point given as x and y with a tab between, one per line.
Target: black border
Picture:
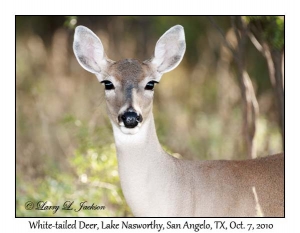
143	217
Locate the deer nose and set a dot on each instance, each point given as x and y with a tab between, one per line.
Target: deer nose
130	119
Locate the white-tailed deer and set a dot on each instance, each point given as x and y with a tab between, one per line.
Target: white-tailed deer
155	183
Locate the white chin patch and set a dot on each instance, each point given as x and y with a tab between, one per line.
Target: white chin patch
129	130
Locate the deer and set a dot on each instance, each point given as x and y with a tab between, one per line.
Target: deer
155	183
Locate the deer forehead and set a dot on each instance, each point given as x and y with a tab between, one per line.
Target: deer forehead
129	71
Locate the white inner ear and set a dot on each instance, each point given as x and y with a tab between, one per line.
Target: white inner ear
169	49
88	50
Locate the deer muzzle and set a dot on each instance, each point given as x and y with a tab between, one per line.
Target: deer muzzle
130	118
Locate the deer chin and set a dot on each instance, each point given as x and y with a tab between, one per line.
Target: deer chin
129	131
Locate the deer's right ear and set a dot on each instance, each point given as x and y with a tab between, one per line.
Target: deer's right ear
88	50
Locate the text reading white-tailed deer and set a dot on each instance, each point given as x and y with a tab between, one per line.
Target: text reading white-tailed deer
153	182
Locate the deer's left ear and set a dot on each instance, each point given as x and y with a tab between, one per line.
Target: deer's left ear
169	50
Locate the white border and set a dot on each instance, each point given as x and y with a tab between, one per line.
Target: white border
10	8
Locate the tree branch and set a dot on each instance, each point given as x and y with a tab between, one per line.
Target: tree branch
256	43
223	36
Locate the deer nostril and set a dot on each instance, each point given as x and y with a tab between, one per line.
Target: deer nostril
139	118
123	117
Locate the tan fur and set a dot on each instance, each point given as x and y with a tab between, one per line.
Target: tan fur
128	69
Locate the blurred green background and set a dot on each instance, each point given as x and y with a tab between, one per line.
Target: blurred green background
64	143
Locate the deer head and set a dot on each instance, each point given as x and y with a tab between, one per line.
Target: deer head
129	83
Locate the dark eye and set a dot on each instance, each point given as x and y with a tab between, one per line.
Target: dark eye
108	85
150	85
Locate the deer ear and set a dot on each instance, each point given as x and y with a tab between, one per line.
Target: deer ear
169	49
88	50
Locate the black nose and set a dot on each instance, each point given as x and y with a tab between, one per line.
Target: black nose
131	119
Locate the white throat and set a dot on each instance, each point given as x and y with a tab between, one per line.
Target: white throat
146	135
141	162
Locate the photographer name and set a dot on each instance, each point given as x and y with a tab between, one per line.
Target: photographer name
67	206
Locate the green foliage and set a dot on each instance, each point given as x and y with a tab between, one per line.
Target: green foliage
94	179
70	22
271	29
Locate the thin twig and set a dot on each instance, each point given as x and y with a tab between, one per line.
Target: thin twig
223	36
256	43
233	25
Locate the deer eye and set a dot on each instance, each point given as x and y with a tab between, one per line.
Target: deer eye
150	85
108	85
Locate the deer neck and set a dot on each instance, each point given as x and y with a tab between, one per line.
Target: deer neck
142	165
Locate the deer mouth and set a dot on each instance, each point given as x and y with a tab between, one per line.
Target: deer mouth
130	131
